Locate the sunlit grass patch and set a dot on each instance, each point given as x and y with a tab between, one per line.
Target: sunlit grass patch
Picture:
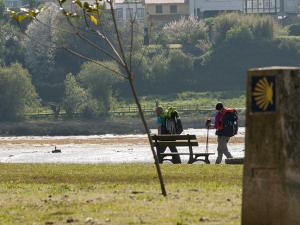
119	194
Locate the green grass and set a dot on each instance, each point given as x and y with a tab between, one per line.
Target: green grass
204	100
119	194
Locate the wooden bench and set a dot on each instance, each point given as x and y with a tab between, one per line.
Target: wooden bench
162	141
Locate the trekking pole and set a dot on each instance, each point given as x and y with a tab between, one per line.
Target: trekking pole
206	150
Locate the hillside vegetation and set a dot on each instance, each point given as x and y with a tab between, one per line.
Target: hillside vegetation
185	59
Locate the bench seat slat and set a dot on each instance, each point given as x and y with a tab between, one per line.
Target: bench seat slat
198	154
173	137
175	143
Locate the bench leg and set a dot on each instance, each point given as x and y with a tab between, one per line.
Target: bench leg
206	160
159	156
191	160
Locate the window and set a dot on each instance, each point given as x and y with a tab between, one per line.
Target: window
119	13
158	9
140	13
129	13
12	4
173	8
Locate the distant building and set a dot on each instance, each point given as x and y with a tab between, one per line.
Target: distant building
281	7
164	11
13	3
125	9
206	8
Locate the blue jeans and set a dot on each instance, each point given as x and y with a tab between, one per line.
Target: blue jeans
222	148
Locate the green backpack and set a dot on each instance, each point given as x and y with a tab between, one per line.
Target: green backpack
173	121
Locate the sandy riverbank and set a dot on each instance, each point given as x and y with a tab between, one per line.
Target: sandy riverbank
99	148
101	141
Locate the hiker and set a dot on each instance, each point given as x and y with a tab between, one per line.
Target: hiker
226	126
162	118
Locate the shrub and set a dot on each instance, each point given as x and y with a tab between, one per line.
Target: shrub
75	97
185	31
239	34
99	81
262	27
16	92
294	29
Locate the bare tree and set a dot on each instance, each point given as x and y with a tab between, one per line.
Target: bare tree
92	14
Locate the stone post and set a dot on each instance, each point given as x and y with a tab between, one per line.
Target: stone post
271	185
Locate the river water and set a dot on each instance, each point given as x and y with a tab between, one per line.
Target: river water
107	148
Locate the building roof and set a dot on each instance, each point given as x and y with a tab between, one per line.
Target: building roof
127	1
164	1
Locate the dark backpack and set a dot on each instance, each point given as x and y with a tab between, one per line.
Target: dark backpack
173	122
229	123
179	127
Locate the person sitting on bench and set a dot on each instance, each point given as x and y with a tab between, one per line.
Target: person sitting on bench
162	129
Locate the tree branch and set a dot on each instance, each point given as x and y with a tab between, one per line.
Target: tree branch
104	37
94	61
117	32
79	35
56	46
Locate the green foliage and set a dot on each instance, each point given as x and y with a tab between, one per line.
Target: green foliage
42	50
99	81
294	29
239	34
2	9
91	108
16	92
11	47
40	55
190	56
160	71
204	100
185	31
262	27
180	65
75	97
141	68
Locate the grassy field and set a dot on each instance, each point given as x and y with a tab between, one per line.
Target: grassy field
119	194
204	100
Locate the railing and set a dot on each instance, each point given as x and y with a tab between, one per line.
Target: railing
133	110
182	109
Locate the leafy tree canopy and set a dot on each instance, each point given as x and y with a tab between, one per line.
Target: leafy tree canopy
16	92
99	81
2	9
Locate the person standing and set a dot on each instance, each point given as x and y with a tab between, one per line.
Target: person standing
161	130
224	130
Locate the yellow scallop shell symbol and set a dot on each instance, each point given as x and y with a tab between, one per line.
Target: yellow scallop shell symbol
263	93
